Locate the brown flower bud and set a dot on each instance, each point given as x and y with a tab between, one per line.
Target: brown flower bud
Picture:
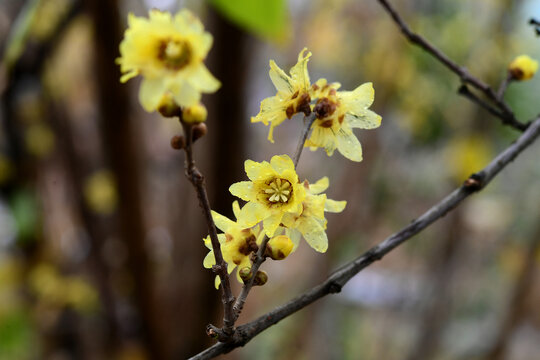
199	131
178	142
261	277
167	106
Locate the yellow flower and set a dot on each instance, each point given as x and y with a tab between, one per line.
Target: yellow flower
337	114
100	192
237	242
292	94
272	192
168	52
310	223
523	67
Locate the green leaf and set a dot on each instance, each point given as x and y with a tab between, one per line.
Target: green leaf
266	18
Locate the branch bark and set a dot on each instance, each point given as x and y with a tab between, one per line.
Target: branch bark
339	278
197	180
505	114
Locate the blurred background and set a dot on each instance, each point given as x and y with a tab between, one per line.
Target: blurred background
100	232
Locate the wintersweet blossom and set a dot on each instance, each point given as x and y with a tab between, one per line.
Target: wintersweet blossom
272	192
338	112
292	94
523	67
238	241
310	222
168	52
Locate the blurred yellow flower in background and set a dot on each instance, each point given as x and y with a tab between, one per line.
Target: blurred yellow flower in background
292	94
467	155
168	52
523	67
100	192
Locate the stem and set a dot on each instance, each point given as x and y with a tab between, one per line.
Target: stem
308	121
506	114
504	84
259	259
340	277
197	180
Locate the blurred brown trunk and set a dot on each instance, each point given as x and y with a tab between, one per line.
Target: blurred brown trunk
517	306
436	314
121	154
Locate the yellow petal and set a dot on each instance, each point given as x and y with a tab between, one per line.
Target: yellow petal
184	93
366	119
282	163
320	186
222	222
349	146
151	92
359	99
209	260
299	71
271	223
252	213
257	171
281	81
236	209
203	80
334	206
294	235
244	190
314	234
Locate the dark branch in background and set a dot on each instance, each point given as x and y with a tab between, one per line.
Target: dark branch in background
536	25
505	114
197	180
338	279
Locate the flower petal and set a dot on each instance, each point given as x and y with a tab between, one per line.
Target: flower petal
299	71
151	92
257	171
271	223
203	80
320	186
334	206
314	234
282	163
366	119
222	222
359	99
281	81
251	214
349	146
244	190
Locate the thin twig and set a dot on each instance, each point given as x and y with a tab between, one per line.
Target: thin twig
308	121
197	179
504	85
259	259
338	279
506	114
464	90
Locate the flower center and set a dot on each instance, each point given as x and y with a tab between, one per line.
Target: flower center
278	190
175	54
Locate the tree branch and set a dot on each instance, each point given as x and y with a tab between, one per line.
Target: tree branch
308	121
505	114
339	278
197	180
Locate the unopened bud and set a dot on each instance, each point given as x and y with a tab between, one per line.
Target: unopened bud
199	131
279	247
167	106
261	277
194	114
178	142
245	274
523	67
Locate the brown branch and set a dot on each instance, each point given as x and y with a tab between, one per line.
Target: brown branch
504	85
259	259
308	121
506	114
197	180
339	278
